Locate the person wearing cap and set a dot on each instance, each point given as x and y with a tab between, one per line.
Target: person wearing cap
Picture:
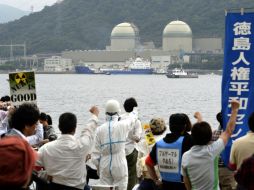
158	127
64	158
130	146
167	154
17	160
110	139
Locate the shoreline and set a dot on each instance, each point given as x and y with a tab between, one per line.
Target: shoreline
197	71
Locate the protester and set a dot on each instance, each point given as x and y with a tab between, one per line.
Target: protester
133	138
200	163
3	122
5	98
24	123
5	103
64	158
226	176
17	160
245	174
91	172
242	147
187	122
37	136
167	154
109	155
5	112
158	127
48	130
3	106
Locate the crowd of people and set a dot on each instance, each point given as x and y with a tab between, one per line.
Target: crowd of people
116	154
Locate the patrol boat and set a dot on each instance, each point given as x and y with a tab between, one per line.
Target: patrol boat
180	73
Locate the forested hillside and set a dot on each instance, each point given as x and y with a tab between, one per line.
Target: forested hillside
87	24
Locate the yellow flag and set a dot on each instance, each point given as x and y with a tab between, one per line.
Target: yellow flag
148	134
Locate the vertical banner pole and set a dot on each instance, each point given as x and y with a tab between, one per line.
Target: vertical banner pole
238	72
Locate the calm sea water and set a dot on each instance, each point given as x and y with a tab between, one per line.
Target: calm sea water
157	96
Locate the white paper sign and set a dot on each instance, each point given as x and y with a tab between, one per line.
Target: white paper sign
168	160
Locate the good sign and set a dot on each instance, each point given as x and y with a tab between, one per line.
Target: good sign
23	97
22	87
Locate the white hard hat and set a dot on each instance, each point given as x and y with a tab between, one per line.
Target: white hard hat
113	107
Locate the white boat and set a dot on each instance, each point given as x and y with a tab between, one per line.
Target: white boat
134	66
159	71
180	73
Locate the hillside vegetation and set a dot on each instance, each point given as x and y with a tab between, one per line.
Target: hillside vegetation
87	24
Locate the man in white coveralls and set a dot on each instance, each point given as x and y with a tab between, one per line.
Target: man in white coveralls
110	142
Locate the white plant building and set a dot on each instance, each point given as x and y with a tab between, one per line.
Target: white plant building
58	64
124	36
177	40
177	35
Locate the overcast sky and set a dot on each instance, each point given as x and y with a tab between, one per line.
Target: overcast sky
27	4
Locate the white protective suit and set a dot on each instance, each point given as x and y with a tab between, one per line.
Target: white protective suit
109	152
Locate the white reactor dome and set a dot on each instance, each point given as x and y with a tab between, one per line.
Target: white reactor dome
125	29
177	29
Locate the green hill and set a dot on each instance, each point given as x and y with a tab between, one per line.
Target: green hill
87	24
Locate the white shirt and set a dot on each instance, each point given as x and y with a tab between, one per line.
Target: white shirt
33	139
3	122
133	135
37	137
64	158
241	149
20	134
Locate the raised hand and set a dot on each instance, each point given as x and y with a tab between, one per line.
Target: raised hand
94	110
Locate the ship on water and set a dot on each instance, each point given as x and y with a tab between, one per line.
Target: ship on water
180	73
80	69
137	66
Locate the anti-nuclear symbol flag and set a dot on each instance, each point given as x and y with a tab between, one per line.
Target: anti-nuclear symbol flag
20	78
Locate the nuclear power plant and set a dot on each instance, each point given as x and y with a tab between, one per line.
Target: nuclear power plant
177	35
177	38
124	36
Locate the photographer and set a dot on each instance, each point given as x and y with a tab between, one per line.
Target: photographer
5	111
5	103
3	121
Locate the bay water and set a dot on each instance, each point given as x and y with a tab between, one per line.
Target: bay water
157	95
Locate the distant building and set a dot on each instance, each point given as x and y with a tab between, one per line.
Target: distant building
106	58
58	64
124	36
207	45
177	35
178	45
3	61
160	61
148	45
